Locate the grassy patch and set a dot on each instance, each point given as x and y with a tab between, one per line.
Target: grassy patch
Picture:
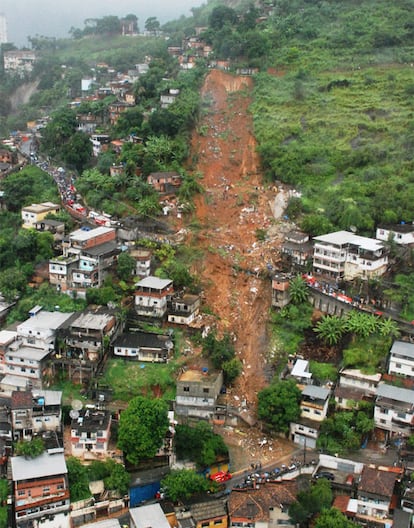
129	379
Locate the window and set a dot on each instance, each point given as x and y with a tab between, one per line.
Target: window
21	492
206	390
398	365
186	389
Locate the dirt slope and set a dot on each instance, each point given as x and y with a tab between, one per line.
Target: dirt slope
234	206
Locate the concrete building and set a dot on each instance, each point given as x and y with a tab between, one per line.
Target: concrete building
143	346
197	393
152	295
401	359
345	255
34	412
184	309
394	410
35	213
41	490
90	432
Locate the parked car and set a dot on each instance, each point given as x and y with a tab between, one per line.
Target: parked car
221	476
325	474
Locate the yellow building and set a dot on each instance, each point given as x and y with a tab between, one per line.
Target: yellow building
32	214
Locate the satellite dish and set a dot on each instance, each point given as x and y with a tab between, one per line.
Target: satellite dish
353	228
77	405
74	414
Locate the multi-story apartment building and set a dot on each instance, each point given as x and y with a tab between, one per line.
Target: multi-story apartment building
41	490
376	495
87	257
394	410
401	359
314	408
19	62
90	432
34	412
197	393
345	255
25	362
152	295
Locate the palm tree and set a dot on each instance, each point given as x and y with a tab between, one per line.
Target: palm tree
330	328
298	290
388	327
361	324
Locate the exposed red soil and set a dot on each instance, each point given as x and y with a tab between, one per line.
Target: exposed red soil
234	205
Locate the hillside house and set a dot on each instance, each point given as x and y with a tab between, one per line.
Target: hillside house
142	258
85	334
19	62
152	295
354	386
41	490
169	98
8	156
401	359
377	495
297	248
401	234
165	182
34	412
87	258
90	433
264	507
314	408
280	290
116	109
7	338
26	360
197	393
143	346
394	410
314	402
345	255
299	370
35	213
184	309
55	227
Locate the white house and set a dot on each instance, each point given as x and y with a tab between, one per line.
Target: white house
33	412
314	408
345	255
401	359
394	410
184	309
143	346
314	403
90	432
401	234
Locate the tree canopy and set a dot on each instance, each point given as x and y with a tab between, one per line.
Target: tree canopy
278	405
183	483
142	428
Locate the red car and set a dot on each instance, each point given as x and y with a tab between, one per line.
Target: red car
221	476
